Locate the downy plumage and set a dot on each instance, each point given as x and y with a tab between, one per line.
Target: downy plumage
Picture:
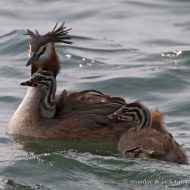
149	138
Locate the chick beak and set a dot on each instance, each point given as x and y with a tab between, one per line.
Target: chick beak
116	115
34	57
29	83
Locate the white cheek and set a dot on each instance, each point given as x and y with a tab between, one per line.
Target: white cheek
46	54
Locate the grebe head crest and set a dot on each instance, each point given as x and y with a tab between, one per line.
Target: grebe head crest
40	44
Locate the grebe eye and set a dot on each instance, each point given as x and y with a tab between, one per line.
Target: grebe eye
44	49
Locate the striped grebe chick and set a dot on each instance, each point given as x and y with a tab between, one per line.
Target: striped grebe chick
134	111
148	139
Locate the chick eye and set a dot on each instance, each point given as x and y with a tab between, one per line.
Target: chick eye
41	78
125	109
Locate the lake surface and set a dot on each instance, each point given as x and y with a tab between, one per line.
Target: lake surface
138	49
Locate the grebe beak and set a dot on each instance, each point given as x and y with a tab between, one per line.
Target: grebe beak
34	57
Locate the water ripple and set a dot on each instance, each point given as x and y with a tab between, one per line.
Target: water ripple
135	49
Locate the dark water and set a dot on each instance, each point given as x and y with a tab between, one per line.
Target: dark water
135	49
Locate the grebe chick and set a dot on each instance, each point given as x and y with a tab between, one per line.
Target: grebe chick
134	111
148	139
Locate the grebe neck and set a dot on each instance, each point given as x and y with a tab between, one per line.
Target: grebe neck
27	114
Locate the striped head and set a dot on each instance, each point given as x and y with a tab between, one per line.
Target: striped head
46	83
134	111
41	79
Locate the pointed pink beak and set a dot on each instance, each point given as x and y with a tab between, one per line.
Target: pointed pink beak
29	83
115	115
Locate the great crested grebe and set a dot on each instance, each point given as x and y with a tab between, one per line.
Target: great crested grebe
78	116
146	140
